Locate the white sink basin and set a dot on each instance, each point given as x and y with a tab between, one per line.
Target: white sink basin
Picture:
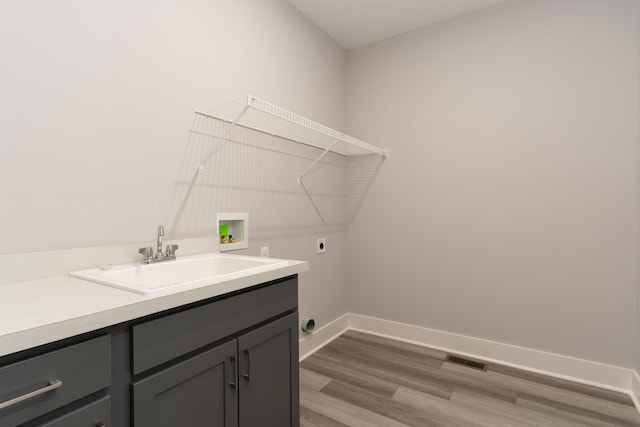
207	269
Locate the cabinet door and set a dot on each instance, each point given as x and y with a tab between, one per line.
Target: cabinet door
200	391
269	375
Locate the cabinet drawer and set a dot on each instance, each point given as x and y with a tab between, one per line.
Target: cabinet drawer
82	369
94	414
166	338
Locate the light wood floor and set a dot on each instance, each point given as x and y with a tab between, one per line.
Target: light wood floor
364	380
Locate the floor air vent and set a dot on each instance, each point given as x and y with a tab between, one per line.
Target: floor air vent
482	366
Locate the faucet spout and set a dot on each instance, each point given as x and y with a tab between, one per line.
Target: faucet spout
159	253
147	252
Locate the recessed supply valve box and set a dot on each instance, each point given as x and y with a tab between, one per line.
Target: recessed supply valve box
233	231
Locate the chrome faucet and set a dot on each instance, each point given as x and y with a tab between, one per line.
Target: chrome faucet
159	253
168	255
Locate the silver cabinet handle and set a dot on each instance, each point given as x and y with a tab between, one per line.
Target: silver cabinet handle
235	365
247	376
100	424
53	384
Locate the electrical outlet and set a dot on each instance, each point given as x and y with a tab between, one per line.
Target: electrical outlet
264	251
321	245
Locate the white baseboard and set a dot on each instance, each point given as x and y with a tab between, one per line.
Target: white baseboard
635	389
310	343
556	365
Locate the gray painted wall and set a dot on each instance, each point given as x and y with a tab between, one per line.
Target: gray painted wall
96	102
507	210
97	99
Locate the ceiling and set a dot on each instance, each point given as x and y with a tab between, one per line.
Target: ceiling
355	23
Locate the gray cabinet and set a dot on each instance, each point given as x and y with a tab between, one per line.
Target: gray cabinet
199	391
95	414
269	375
41	384
231	361
178	333
250	379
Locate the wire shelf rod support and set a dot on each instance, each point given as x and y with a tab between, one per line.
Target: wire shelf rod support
224	137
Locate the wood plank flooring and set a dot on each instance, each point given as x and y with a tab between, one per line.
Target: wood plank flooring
361	380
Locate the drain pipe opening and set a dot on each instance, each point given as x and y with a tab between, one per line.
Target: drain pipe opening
308	325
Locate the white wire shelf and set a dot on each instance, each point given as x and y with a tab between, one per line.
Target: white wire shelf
258	114
233	119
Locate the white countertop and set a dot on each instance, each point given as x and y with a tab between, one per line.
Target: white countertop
41	311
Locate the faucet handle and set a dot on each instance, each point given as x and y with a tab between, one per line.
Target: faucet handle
146	252
171	250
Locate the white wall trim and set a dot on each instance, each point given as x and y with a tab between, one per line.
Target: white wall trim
310	343
556	365
635	389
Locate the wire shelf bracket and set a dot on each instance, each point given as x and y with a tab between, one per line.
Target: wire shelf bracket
306	171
